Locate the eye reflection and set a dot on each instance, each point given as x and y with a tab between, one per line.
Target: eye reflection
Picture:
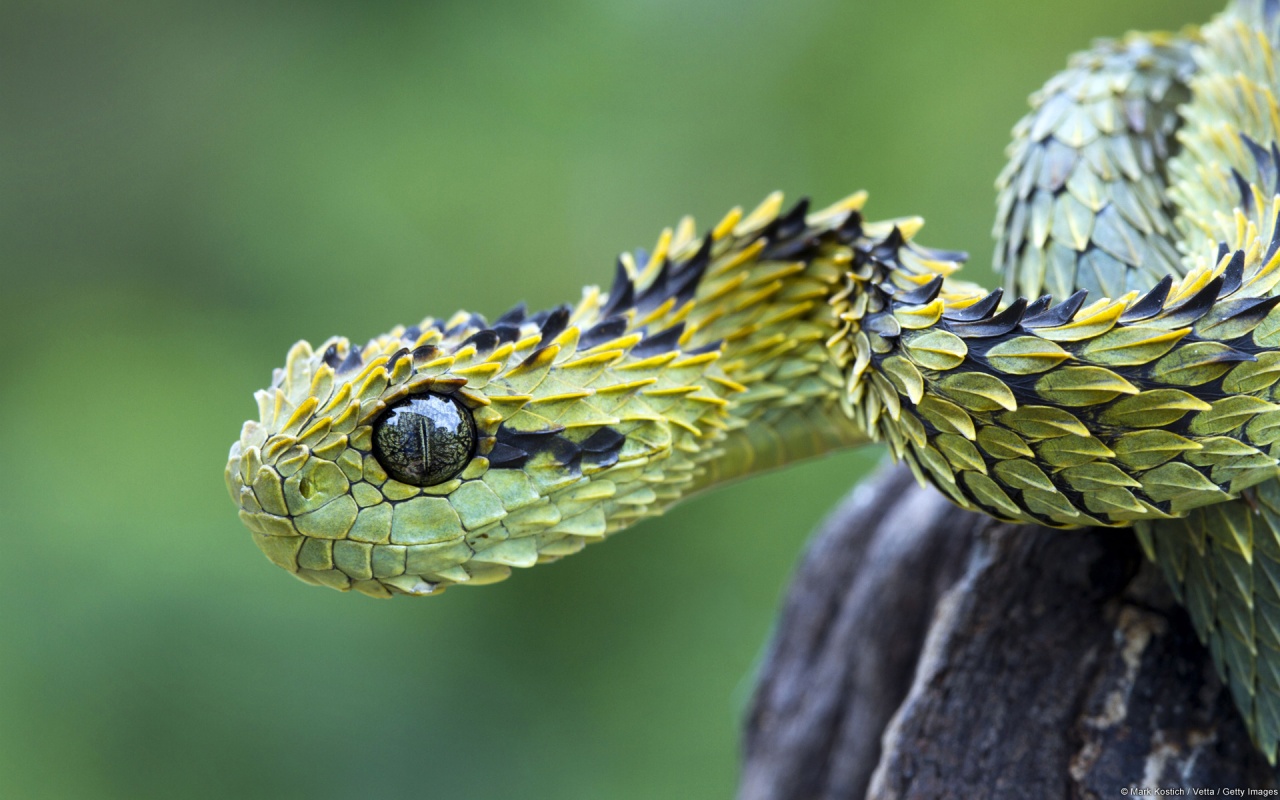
424	440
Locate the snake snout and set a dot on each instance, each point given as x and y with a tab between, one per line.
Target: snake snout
387	469
342	522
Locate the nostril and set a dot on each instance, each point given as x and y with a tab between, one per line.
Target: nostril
305	487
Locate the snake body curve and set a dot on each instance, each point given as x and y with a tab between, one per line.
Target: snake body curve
1145	176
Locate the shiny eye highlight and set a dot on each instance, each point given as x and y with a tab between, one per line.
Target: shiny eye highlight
424	440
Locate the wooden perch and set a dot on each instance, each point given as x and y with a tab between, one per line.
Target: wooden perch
929	652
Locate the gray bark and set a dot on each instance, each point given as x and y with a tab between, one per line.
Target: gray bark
928	652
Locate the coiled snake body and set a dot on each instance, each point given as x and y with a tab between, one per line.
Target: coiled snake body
1133	382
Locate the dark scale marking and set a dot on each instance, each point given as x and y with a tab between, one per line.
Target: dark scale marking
979	310
659	343
507	457
504	456
403	352
602	332
1233	275
484	341
1261	158
516	448
851	229
555	323
1267	160
422	355
600	460
886	250
603	440
1275	169
699	261
789	237
412	334
1057	315
1275	240
1150	304
790	224
1255	310
800	248
507	333
684	283
1246	192
602	448
656	293
571	463
921	295
1195	308
1000	325
353	361
1039	305
621	294
514	316
527	442
709	347
331	357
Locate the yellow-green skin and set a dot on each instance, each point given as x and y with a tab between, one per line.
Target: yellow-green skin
778	336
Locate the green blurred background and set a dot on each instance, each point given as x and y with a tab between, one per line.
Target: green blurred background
189	188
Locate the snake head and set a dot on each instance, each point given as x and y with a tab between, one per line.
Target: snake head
450	452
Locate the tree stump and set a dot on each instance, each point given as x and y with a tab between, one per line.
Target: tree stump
929	652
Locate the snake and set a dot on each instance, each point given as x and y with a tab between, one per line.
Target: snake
1125	375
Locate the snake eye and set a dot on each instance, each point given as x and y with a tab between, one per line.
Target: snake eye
424	440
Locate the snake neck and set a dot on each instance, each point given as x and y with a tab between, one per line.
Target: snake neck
775	303
809	315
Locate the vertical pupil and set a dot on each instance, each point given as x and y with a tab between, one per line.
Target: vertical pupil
424	440
424	436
